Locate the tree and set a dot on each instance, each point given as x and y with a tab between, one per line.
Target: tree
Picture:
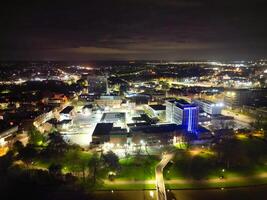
18	146
93	165
36	137
6	161
112	160
56	143
55	169
27	153
231	153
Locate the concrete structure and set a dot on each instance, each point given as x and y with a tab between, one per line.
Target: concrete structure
7	136
106	133
154	134
118	136
101	133
87	109
158	110
183	113
64	124
109	101
38	121
209	107
117	118
67	113
237	97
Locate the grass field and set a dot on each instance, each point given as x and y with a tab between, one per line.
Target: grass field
137	168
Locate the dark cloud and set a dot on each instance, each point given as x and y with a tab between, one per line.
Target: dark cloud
133	29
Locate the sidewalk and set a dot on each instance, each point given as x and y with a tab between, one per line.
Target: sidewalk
189	181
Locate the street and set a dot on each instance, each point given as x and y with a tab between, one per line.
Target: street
239	117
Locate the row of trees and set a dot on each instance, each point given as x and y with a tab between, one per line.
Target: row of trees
63	157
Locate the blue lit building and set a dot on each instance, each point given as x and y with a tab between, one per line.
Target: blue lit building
183	113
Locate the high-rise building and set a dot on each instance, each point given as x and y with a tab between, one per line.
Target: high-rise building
183	113
237	97
234	98
209	107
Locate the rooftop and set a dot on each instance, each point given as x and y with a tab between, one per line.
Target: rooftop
113	117
156	129
110	97
103	129
158	107
67	110
181	103
88	106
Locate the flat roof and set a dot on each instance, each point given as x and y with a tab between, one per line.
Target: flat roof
158	107
67	109
103	129
65	121
88	106
181	103
110	97
156	129
113	116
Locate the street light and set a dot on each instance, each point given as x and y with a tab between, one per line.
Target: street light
151	194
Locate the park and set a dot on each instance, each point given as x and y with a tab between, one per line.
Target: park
235	162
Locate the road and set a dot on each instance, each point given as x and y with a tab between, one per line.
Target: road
236	180
160	186
238	117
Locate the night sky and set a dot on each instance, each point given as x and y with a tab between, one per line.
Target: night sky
133	29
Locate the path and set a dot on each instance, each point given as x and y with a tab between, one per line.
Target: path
160	185
191	181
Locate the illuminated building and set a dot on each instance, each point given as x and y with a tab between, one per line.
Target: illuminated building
183	113
7	135
158	110
87	109
209	107
117	118
67	113
109	101
238	97
106	133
